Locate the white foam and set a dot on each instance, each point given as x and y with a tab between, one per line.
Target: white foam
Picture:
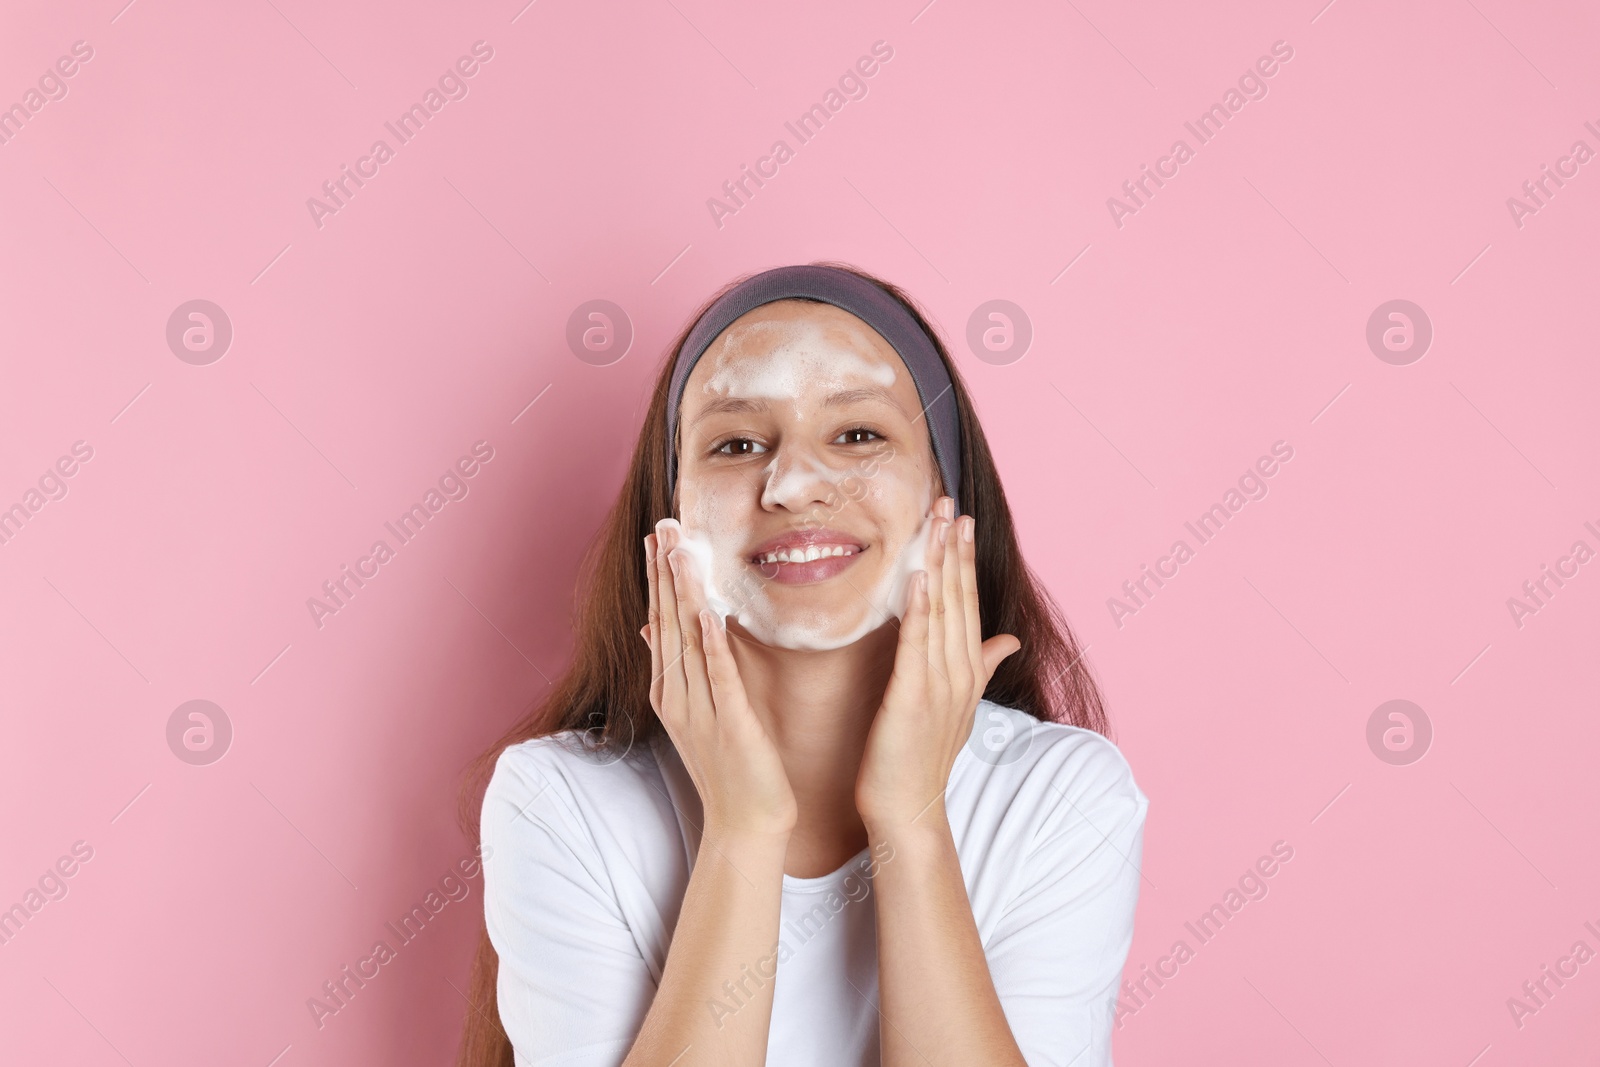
795	355
800	361
730	586
701	554
912	558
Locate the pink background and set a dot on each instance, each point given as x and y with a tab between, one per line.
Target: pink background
368	354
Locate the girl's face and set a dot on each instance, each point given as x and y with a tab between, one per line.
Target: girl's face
806	479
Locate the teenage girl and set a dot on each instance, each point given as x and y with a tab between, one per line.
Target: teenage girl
845	796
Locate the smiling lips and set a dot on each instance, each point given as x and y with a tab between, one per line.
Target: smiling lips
803	557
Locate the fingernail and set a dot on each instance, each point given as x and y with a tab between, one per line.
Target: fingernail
672	561
966	529
944	532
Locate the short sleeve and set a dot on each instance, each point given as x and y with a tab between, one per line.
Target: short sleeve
1057	953
573	988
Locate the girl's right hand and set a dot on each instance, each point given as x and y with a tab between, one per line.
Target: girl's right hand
699	697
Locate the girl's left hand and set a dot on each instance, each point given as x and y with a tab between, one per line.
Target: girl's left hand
942	666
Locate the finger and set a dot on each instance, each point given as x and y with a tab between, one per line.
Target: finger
911	653
673	683
653	627
722	673
955	608
698	687
969	590
936	605
996	649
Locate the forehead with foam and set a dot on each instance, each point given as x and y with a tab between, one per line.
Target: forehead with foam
782	350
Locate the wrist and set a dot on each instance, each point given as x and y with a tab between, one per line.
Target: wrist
930	824
746	840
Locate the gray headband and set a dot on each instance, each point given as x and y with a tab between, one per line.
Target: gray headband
869	302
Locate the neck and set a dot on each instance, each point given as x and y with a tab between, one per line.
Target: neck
818	707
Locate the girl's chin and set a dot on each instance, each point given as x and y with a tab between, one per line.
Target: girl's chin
799	630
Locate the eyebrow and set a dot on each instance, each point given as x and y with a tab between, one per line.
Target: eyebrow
725	405
853	396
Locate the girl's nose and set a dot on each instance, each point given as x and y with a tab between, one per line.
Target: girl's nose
797	479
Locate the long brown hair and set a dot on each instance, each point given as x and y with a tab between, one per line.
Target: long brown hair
605	692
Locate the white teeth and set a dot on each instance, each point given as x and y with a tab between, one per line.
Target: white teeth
809	553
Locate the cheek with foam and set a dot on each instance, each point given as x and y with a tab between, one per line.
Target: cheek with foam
702	566
717	568
913	557
732	589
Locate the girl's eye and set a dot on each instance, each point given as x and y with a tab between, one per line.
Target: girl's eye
722	448
856	430
848	437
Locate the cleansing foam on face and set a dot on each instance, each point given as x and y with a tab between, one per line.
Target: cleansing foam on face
807	372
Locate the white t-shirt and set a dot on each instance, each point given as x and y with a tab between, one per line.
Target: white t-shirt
588	862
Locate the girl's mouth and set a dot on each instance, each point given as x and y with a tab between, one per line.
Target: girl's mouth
807	557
